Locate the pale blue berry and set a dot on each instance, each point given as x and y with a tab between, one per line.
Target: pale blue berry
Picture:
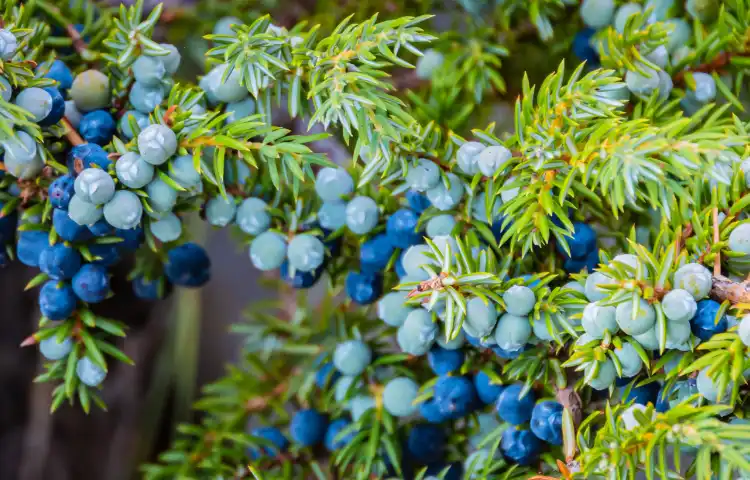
445	198
252	216
268	251
166	229
399	395
220	211
161	196
89	373
94	185
156	143
53	350
332	215
362	215
331	184
305	252
133	171
124	211
352	357
467	157
83	212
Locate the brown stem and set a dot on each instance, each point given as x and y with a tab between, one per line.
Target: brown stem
725	289
79	44
256	404
71	134
721	61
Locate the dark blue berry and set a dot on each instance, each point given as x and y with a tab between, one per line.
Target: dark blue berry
67	229
363	288
486	390
426	442
513	409
85	156
581	243
102	228
401	228
108	254
333	440
507	354
704	324
30	245
4	258
308	427
546	422
97	127
644	394
147	289
57	301
443	361
456	396
417	201
60	262
454	471
188	265
60	72
58	107
326	375
375	253
91	283
271	435
300	279
61	190
520	446
582	47
131	239
431	412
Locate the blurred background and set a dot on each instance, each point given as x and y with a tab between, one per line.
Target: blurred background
182	343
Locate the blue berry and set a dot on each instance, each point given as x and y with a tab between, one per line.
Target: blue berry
60	262
423	176
46	105
546	422
445	198
157	143
635	322
273	436
188	265
220	211
511	408
467	157
401	228
105	254
392	310
166	229
520	446
91	283
60	72
124	211
87	155
705	88
22	159
352	357
98	127
8	44
444	361
252	216
334	440
229	89
268	251
399	395
94	185
144	98
133	171
57	301
431	412
172	59
149	71
332	215
644	395
300	279
83	212
308	427
428	63
426	443
375	253
512	332
89	373
417	201
148	289
131	238
359	405
67	229
642	84
161	196
363	288
362	215
326	375
704	324
72	113
240	110
455	396
582	47
417	334
581	243
597	13
305	252
61	190
331	184
52	349
30	245
487	391
519	300
90	90
132	116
